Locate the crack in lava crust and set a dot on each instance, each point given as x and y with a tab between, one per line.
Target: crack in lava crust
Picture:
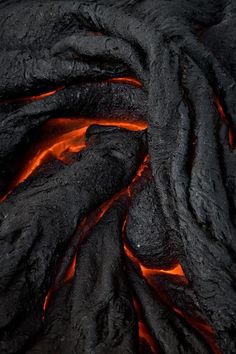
69	137
87	224
71	141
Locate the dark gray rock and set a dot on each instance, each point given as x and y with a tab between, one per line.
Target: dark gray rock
183	53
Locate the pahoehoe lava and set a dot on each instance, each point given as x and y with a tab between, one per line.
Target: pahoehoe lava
117	176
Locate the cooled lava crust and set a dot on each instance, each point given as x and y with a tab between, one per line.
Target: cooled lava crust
117	177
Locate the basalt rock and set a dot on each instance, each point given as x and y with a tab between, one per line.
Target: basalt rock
146	218
37	222
98	295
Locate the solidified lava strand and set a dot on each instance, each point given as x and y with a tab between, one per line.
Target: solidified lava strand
94	255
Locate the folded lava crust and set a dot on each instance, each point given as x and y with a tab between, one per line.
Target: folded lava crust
117	177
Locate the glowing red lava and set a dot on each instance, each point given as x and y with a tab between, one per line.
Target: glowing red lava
62	145
144	333
28	99
69	137
226	121
126	80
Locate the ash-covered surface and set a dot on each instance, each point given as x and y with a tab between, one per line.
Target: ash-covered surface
169	66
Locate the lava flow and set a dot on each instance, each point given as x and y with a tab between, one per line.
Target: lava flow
226	121
126	80
29	99
176	270
68	137
129	80
64	136
205	330
88	224
143	331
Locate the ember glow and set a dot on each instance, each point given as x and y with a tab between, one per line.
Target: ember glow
70	272
71	139
71	142
205	330
126	80
41	96
88	223
29	99
146	272
144	333
226	121
177	270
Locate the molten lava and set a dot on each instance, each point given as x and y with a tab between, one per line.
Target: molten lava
226	121
89	223
68	137
64	136
126	80
143	330
205	330
177	270
70	142
29	99
70	271
40	97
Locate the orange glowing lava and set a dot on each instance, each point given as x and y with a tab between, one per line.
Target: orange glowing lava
70	138
139	173
126	80
71	142
205	330
86	225
46	301
89	223
129	80
143	330
41	96
70	271
146	272
62	145
144	334
29	99
226	121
